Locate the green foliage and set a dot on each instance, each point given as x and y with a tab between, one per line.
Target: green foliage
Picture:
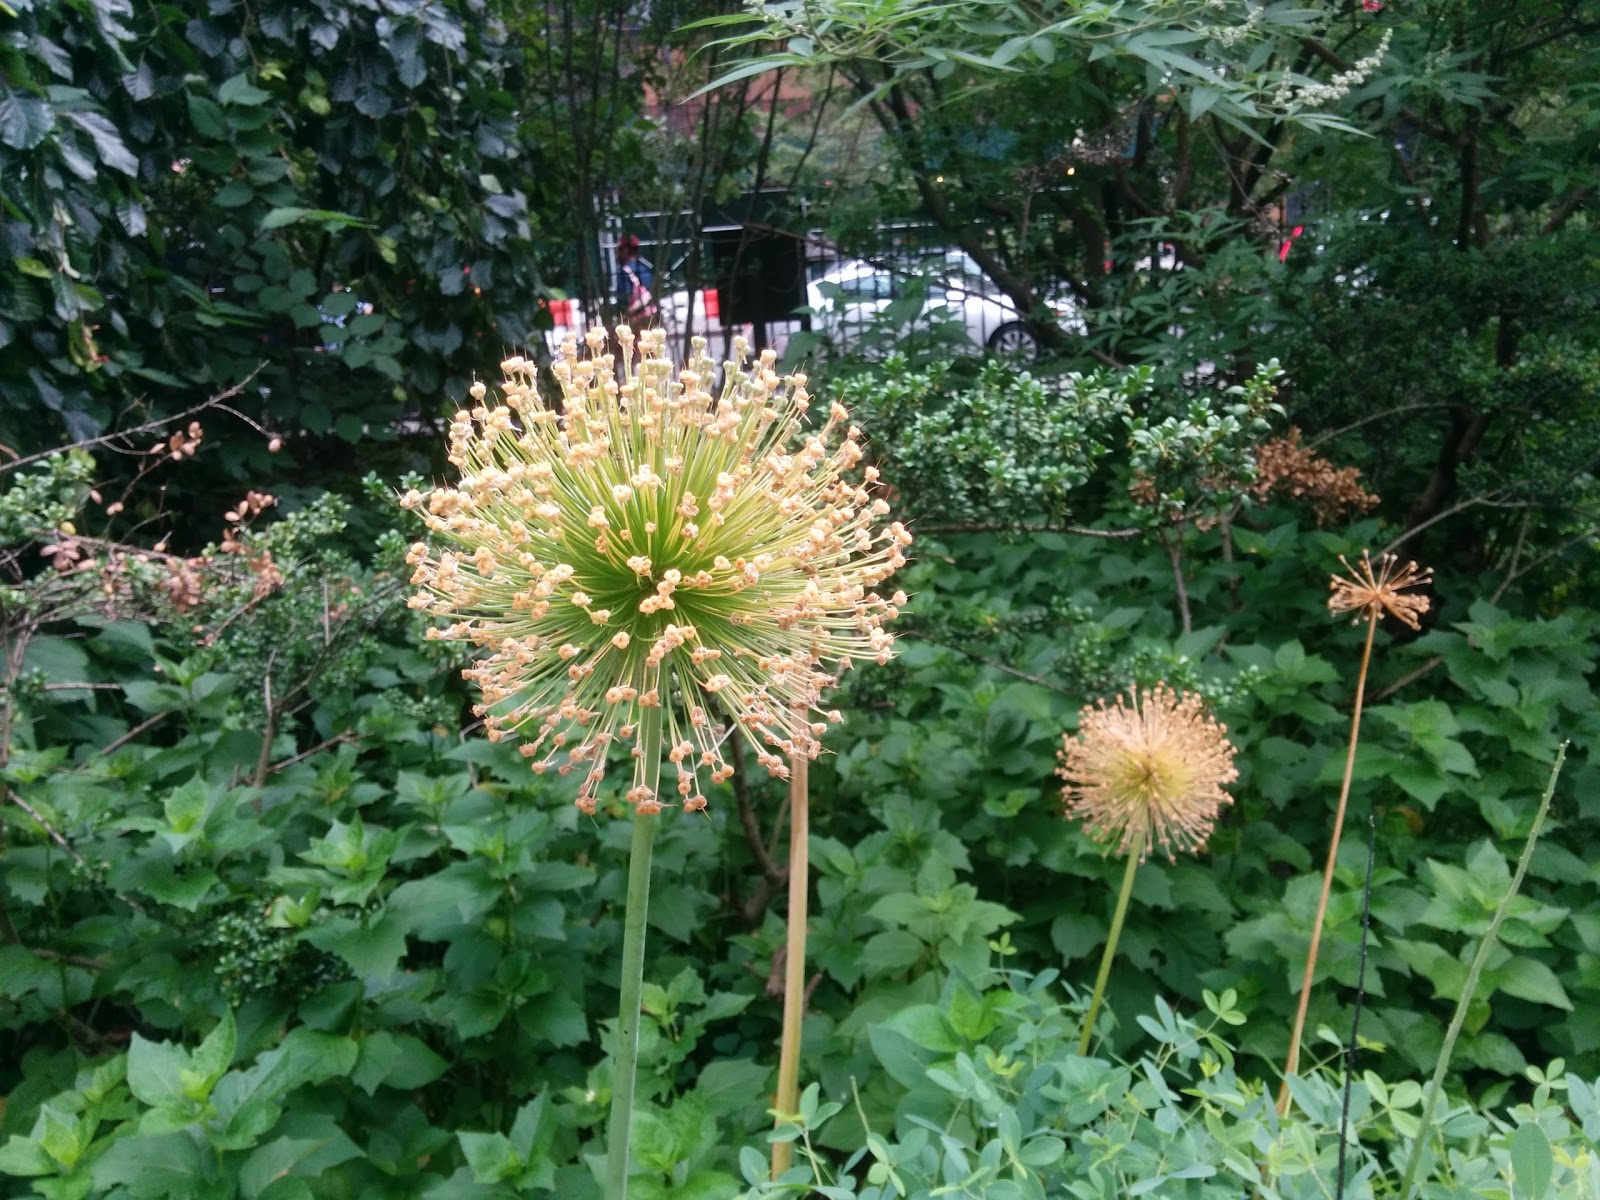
988	1099
383	966
293	194
1000	447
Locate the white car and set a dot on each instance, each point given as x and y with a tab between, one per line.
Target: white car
847	302
851	306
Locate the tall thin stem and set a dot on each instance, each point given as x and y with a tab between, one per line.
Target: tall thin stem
1293	1062
636	914
1355	1020
1110	953
794	961
1469	989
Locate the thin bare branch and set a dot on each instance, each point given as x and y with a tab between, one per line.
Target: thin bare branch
105	439
1015	527
55	834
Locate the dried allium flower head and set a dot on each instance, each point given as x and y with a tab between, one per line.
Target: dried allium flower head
1371	593
1284	466
1148	771
656	557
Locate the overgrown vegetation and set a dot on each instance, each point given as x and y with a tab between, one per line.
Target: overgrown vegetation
278	922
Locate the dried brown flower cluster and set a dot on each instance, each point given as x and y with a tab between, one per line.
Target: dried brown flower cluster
182	444
654	556
1286	468
1149	771
1369	592
123	571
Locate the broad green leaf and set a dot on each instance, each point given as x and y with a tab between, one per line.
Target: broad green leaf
24	120
395	1060
239	90
1532	1161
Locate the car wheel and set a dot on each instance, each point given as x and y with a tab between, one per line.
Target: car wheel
1014	340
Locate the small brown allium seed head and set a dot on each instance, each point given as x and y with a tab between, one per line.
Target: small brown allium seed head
1147	771
1369	592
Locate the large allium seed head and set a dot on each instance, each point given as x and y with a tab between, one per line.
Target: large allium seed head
1372	592
652	546
1148	771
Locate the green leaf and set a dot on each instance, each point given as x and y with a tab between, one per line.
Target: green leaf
155	1071
25	1157
24	121
206	116
273	1161
373	950
558	1018
1529	979
239	90
108	142
891	951
395	1060
1533	1163
490	1156
732	1085
211	1058
234	194
163	1167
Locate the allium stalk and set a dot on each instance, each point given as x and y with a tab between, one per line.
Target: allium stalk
794	963
1368	592
1142	773
645	566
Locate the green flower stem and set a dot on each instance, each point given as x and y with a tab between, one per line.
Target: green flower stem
1110	953
794	962
636	912
1471	985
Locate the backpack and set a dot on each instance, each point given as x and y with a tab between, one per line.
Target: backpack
642	308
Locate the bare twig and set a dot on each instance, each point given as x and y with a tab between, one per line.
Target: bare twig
268	729
1174	549
75	960
1386	414
141	727
747	816
1409	678
106	439
1010	670
55	834
1485	501
1012	527
344	738
1516	557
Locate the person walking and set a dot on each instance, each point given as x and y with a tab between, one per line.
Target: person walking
635	278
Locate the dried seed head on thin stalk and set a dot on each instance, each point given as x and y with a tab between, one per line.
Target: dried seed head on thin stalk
650	545
1148	771
1369	592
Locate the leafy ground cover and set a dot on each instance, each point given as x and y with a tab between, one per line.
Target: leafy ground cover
367	954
